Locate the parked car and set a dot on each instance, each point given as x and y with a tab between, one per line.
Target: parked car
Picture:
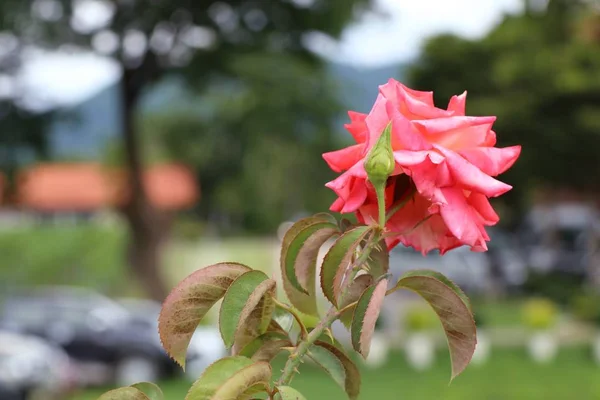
560	239
474	272
468	269
205	347
31	368
106	340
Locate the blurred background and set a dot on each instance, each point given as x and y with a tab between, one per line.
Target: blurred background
143	139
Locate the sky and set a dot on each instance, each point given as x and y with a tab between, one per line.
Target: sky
372	41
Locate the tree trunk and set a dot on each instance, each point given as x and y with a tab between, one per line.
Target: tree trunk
148	227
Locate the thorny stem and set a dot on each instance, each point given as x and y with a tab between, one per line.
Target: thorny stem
303	331
304	345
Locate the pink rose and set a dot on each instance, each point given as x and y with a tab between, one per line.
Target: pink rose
445	163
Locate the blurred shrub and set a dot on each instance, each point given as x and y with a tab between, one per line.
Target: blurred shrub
556	286
420	318
587	307
87	255
540	314
188	229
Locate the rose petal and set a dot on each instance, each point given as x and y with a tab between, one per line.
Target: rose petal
456	132
357	126
393	88
458	104
492	160
404	133
471	177
377	121
459	218
341	160
482	206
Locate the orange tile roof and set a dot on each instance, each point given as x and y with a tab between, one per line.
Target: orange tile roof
88	187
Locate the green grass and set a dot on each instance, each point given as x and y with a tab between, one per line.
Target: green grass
509	375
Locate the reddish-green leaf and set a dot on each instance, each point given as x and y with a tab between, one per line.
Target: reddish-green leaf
247	307
365	316
338	365
379	260
152	391
266	346
356	289
222	377
452	307
288	393
126	393
189	302
338	259
137	391
245	383
299	251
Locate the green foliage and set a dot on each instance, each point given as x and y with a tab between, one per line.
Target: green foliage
247	307
586	306
138	391
256	325
339	260
365	317
189	302
453	309
355	290
151	391
540	74
231	378
80	255
540	314
302	297
338	365
266	346
288	393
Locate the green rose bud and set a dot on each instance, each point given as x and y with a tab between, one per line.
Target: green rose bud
380	163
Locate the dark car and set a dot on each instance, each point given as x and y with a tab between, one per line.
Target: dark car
205	347
94	330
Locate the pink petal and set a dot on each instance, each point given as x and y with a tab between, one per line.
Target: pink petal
356	198
404	134
396	92
459	218
456	132
337	205
458	104
409	158
377	121
492	160
471	177
357	126
482	206
344	159
490	139
415	227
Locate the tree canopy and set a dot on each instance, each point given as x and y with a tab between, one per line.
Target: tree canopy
539	72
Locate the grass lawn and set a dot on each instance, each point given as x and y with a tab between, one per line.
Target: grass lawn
508	375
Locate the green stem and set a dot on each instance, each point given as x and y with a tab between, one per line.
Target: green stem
296	357
285	307
304	345
380	190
